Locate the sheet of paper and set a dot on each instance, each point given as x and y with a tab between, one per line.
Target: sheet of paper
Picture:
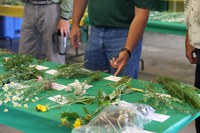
58	99
58	87
159	117
52	72
113	78
39	67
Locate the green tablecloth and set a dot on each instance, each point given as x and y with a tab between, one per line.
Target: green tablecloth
31	121
166	27
166	22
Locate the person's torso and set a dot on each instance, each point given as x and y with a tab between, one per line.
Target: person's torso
111	13
115	13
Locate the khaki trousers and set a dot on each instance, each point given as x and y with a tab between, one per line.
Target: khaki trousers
39	23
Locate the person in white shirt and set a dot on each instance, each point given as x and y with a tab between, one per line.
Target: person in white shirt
192	41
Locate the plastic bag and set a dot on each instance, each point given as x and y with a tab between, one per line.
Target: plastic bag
120	118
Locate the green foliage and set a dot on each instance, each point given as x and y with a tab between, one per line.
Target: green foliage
86	110
4	52
17	63
184	92
18	68
160	101
72	115
72	99
96	76
73	71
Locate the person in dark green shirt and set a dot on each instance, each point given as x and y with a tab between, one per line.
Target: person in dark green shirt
115	40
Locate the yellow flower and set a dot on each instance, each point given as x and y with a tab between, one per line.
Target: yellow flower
41	108
77	123
63	121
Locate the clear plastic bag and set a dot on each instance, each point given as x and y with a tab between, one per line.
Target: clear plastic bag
144	112
121	118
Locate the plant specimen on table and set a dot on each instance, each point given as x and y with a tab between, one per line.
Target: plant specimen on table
80	88
75	70
74	120
170	94
20	67
24	92
66	100
186	93
4	52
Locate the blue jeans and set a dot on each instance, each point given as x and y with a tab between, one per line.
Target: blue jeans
106	43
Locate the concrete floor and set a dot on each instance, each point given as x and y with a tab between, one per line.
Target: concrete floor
163	55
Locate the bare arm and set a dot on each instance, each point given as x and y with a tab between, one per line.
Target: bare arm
66	14
135	33
189	51
78	11
79	7
137	27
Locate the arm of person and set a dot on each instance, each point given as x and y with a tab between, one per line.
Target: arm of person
66	14
135	33
79	7
190	51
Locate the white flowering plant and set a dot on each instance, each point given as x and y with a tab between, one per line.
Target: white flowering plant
23	93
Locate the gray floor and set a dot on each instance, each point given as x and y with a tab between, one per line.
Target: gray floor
163	55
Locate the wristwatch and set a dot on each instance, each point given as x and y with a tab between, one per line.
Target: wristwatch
128	51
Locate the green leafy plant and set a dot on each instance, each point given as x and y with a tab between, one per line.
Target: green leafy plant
73	71
22	93
20	67
184	92
160	101
74	120
4	52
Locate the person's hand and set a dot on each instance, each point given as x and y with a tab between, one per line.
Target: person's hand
64	27
120	62
189	53
75	36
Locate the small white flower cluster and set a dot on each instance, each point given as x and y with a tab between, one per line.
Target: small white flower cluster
78	87
13	93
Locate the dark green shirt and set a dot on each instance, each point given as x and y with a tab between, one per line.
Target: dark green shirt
114	13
